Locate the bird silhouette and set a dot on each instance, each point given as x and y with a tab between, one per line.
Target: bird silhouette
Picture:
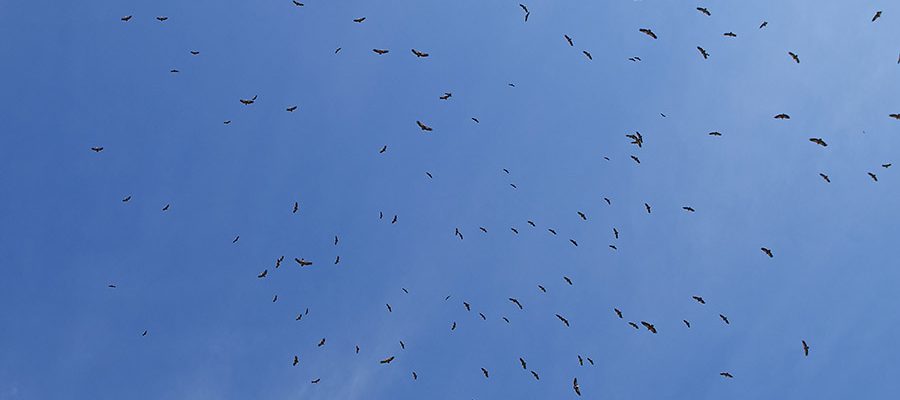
703	52
648	32
568	39
563	319
423	127
767	251
877	15
795	57
805	348
419	54
704	11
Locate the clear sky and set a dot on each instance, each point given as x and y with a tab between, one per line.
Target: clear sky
75	76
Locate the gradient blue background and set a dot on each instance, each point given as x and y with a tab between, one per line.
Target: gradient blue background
75	76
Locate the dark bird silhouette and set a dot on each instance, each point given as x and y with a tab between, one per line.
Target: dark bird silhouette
174	71
476	120
569	281
647	206
297	3
516	231
535	375
561	318
767	251
126	199
612	246
317	380
419	54
527	13
576	387
144	334
588	54
415	376
381	52
616	233
357	349
161	18
453	327
888	165
249	101
580	360
394	220
404	290
573	242
236	238
485	372
387	360
648	32
618	312
302	262
482	316
730	34
607	200
468	307
818	141
522	361
278	261
194	52
226	122
699	299
446	96
688	209
805	347
423	127
291	109
551	231
725	319
650	327
483	229
530	223
296	361
337	50
873	176
763	24
359	20
126	18
590	361
703	52
704	11
636	139
321	343
633	325
782	116
263	274
429	174
895	116
389	308
825	177
715	134
877	15
111	286
726	374
634	59
97	149
637	160
581	214
275	298
542	288
383	149
688	324
795	57
516	302
568	39
296	207
402	346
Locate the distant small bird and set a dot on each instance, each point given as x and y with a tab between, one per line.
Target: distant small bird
805	348
588	54
516	302
291	109
767	251
607	200
423	127
111	286
249	101
419	54
715	133
453	327
648	32
763	24
467	306
569	281
381	51
895	116
414	375
573	242
357	349
402	346
126	199
650	327
612	246
297	3
782	116
389	308
580	360
542	288
704	11
888	165
726	374
296	361
337	50
703	52
795	57
321	343
699	299
581	214
302	262
236	238
647	206
530	222
296	207
263	274
429	174
144	334
516	231
97	149
634	59
877	15
383	149
535	375
227	121
576	387
275	298
730	34
126	18
825	177
637	160
485	372
633	325
563	319
527	13
618	312
162	18
359	20
873	176
476	120
819	142
174	71
194	52
686	323
568	39
317	380
725	319
446	96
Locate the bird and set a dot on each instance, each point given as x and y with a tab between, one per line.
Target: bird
782	116
126	18
227	121
383	149
699	299
453	327
394	220
468	307
763	24
767	251
263	274
111	286
414	375
476	120
704	11
794	56
871	175
730	34
485	372
535	375
359	20
573	242
647	206
805	348
161	18
321	343
618	312
542	288
174	71
337	50
527	13
96	149
569	281
303	262
637	138
580	360
291	108
818	141
296	207
446	96
825	177
357	349
522	361
688	209
296	360
126	199
588	54
145	333
725	319
423	127
576	387
648	32
249	101
236	238
387	360
650	327
275	298
637	160
389	308
429	174
612	246
607	200
563	319
419	54
888	165
633	325
715	133
726	374
634	59
616	233
590	361
402	346
516	231
317	380
877	15
381	51
483	317
581	214
194	52
568	39
297	3
516	302
686	323
530	223
483	229
703	52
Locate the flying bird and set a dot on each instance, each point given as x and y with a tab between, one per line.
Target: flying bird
686	323
576	387
877	15
522	361
588	54
716	133
247	102
648	32
415	376
763	24
618	312
561	318
782	116
381	51
126	18
535	375
485	372
730	34
871	175
616	233
446	96
568	39
704	11
383	149
699	299
637	160
161	18
394	220
633	325
144	334
895	116
389	308
542	288
650	327
726	374
581	214
296	361
825	177
569	281
423	126
194	52
703	52
647	206
805	347
317	380
688	209
359	20
302	262
725	319
387	360
888	165
818	141
767	251
527	13
291	109
263	274
297	3
97	149
795	57
516	302
296	207
419	54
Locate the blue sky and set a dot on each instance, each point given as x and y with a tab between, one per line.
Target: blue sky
75	76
